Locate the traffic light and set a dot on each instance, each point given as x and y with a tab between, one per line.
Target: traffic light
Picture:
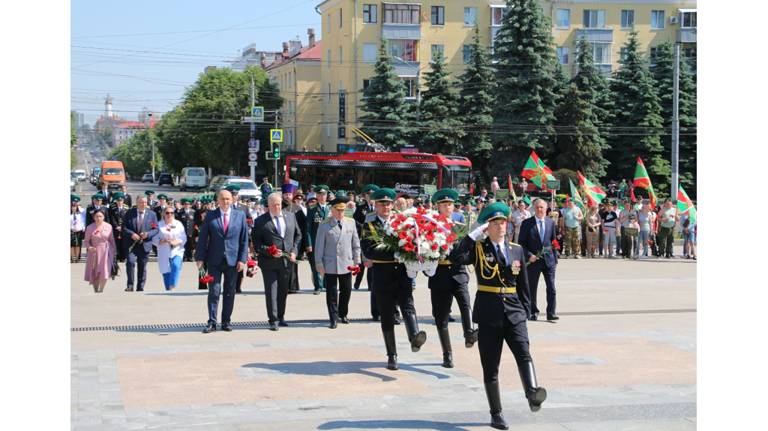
275	151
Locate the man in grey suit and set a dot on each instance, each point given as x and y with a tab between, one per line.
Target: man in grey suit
139	226
279	229
222	244
337	247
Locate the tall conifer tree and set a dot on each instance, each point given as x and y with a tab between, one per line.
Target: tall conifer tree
439	112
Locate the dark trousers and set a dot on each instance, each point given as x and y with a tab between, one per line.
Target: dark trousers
359	277
442	293
227	288
666	239
239	282
338	302
534	271
626	249
275	292
293	276
317	281
372	288
393	287
491	341
140	263
189	249
120	249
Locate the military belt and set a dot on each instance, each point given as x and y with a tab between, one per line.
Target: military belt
492	289
384	261
444	262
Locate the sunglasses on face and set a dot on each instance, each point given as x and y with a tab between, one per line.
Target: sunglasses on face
169	212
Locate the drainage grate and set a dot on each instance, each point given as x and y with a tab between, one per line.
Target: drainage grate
255	324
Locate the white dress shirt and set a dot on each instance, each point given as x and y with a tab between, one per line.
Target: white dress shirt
281	224
164	251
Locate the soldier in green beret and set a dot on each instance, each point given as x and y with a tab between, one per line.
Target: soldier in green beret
450	281
502	305
315	216
393	286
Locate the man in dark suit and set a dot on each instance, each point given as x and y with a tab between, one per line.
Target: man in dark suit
117	211
301	225
240	206
315	216
139	226
186	215
223	245
536	236
276	228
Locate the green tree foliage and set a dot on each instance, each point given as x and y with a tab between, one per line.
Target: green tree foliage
637	121
590	80
579	144
662	69
136	154
526	92
439	112
72	138
476	108
386	116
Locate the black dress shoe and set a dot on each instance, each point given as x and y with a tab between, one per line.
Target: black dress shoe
333	324
140	290
226	328
533	317
375	318
451	319
211	327
344	320
553	317
282	323
317	292
273	327
396	321
129	289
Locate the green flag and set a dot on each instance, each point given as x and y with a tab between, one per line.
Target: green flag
685	205
576	196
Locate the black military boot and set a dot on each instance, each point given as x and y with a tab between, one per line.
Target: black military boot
535	394
470	337
416	337
494	402
445	343
389	342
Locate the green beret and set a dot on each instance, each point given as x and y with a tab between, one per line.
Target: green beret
232	188
494	211
118	195
369	188
149	192
162	196
445	195
384	194
322	188
97	196
74	198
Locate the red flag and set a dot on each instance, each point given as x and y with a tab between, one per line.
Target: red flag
509	183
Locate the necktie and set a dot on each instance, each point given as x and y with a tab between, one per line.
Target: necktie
226	222
340	228
502	260
541	231
141	221
277	225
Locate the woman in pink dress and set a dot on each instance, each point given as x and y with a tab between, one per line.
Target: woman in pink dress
100	245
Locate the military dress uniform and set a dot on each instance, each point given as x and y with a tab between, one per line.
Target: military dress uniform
91	209
117	211
187	218
393	286
501	309
361	211
449	282
315	216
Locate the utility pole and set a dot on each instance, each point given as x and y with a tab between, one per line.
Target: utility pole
277	159
253	126
675	122
151	142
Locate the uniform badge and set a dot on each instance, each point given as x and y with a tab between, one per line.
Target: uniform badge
516	267
490	258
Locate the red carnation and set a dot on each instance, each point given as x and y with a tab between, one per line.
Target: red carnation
451	237
434	247
153	225
355	269
555	244
251	263
429	236
249	221
409	247
402	234
274	251
445	246
207	278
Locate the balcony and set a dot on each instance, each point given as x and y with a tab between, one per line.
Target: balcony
686	35
600	35
401	31
406	68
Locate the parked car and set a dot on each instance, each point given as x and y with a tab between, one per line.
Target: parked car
80	174
147	178
72	183
165	178
218	180
193	178
95	173
248	188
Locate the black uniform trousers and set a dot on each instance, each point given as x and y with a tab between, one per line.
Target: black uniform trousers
491	340
338	301
443	289
359	277
189	249
534	271
372	288
275	292
293	276
393	287
224	280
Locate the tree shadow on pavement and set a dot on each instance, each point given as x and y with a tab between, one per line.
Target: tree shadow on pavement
328	368
399	424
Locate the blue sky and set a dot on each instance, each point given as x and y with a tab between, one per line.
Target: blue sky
145	53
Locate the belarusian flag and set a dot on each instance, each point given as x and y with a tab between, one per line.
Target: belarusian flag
536	171
643	181
684	204
576	197
592	191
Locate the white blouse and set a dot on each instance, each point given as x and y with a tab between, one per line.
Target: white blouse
164	251
77	220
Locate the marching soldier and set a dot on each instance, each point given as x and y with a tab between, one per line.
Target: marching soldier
117	211
393	286
96	204
186	215
315	216
502	305
450	281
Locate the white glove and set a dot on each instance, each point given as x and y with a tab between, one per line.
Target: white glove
478	232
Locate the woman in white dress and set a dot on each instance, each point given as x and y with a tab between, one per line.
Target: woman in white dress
170	242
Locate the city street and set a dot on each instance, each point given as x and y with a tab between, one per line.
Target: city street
622	356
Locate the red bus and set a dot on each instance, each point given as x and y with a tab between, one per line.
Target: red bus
412	173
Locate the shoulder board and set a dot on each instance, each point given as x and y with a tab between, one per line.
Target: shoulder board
371	216
514	244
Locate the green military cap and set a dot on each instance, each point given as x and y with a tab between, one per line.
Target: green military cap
384	194
232	188
369	188
340	192
205	200
322	188
74	198
118	195
185	201
97	196
445	195
149	192
496	210
162	196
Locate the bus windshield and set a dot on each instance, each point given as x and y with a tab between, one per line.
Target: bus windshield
456	177
113	171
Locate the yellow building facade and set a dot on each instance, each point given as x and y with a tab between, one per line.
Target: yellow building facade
415	30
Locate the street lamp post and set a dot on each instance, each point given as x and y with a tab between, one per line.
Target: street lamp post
151	143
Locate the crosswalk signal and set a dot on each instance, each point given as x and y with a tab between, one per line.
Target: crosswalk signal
276	151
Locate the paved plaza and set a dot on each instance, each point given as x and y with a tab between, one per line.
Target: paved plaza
622	357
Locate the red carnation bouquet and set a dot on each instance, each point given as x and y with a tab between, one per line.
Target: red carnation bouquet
205	278
554	246
252	268
276	252
354	269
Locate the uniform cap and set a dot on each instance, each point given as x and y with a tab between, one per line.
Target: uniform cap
496	210
445	195
74	198
369	188
322	188
232	188
384	194
162	196
97	196
340	202
149	192
118	195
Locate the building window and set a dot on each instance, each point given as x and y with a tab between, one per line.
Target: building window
438	15
497	16
688	19
438	50
470	16
402	13
657	19
366	84
594	18
402	49
370	13
467	54
562	54
627	18
328	53
411	88
341	17
601	53
623	53
563	17
369	53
